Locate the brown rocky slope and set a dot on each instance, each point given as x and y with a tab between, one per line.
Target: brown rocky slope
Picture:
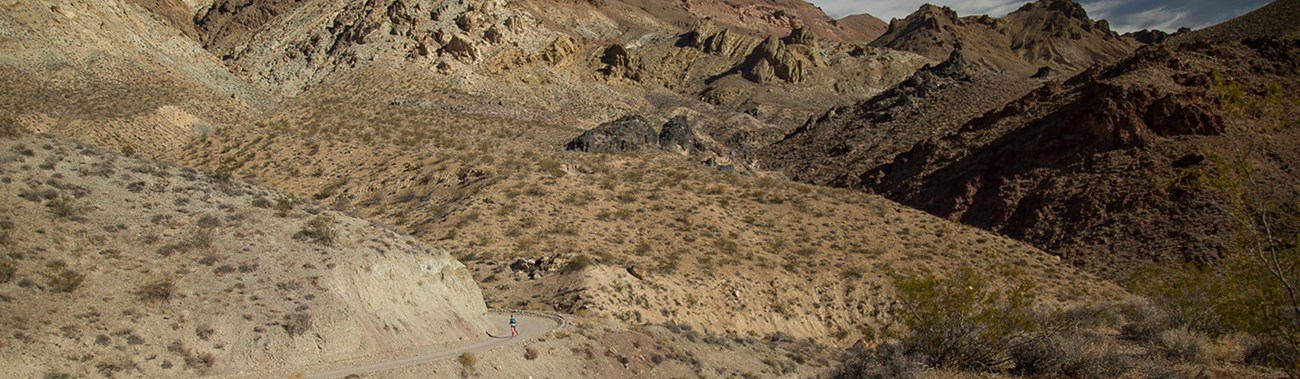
936	100
1087	168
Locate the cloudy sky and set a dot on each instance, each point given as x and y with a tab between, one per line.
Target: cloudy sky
1124	15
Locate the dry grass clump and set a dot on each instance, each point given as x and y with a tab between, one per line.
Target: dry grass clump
65	209
467	360
64	280
319	230
157	290
8	269
297	323
1185	345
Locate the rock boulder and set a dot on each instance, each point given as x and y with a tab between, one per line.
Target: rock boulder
630	133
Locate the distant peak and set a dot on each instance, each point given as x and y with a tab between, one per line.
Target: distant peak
931	9
1067	8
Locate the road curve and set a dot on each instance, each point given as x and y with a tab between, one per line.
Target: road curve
529	327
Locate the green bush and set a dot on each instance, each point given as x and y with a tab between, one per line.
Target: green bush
1252	288
962	322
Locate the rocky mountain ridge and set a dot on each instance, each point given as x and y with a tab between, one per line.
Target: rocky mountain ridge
1046	33
1081	167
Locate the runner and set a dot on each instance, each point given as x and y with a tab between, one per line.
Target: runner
514	330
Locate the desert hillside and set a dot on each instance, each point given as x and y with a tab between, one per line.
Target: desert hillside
123	267
1031	169
728	188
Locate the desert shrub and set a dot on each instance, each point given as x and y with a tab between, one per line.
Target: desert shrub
467	360
201	361
204	332
319	230
1251	289
578	263
1272	351
225	170
961	321
330	188
530	353
8	269
64	208
1185	345
1144	320
284	205
297	323
1074	355
887	361
200	239
64	280
6	232
160	289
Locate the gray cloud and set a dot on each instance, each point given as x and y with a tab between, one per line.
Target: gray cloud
1124	15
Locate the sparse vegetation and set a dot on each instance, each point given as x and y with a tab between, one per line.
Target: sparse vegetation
64	208
578	263
468	361
297	323
8	269
962	321
157	290
6	232
64	280
319	229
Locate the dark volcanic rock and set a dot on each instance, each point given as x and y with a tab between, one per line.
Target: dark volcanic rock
1148	36
629	133
679	136
1043	72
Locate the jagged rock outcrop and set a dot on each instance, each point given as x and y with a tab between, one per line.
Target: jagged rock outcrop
776	61
292	44
619	63
540	267
630	133
800	36
459	47
680	136
708	37
1148	36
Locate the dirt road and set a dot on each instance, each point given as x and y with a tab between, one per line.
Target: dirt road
530	327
